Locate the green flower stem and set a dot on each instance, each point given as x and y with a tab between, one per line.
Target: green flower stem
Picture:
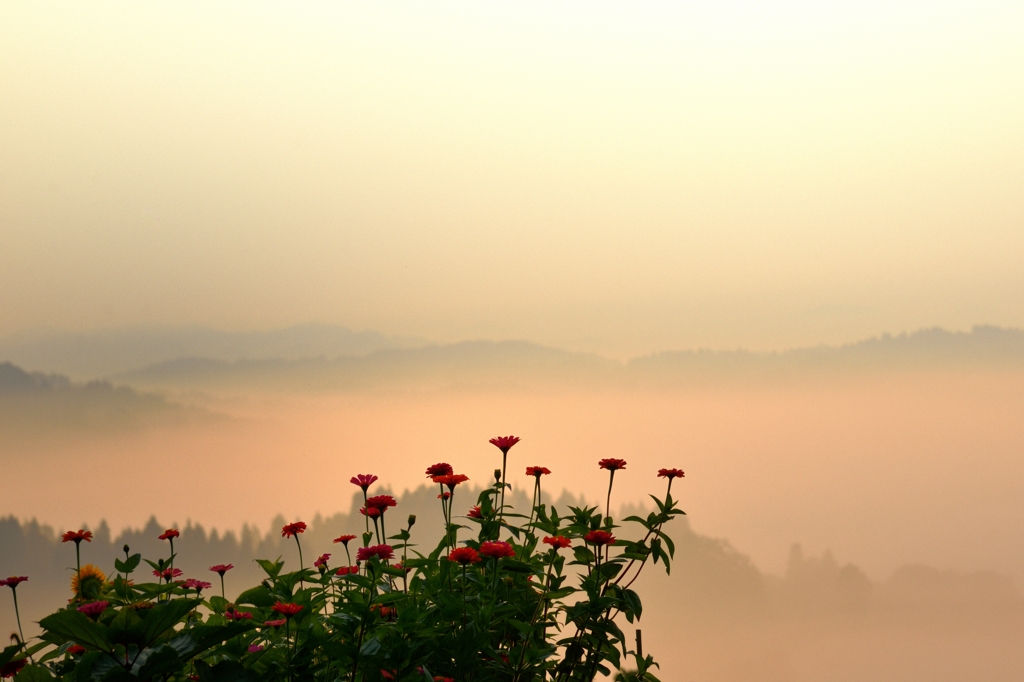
501	510
17	614
78	563
222	596
608	504
301	567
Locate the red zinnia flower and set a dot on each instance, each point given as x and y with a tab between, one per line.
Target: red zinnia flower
344	570
475	513
364	481
13	581
612	464
599	537
558	541
380	551
451	480
386	675
344	539
12	668
537	471
169	533
381	502
221	568
293	529
77	536
275	623
670	473
287	610
197	585
75	649
439	469
438	678
372	512
322	561
464	555
444	496
94	609
504	443
497	549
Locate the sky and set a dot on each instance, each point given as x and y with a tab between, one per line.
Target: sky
613	178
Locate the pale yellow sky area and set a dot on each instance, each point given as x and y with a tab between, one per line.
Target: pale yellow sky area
609	177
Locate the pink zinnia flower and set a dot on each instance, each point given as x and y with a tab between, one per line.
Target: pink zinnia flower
364	481
94	609
497	549
275	623
197	585
504	443
322	561
293	529
13	581
475	513
221	568
231	614
168	574
344	539
372	512
253	648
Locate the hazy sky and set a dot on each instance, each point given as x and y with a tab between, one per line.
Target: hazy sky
614	177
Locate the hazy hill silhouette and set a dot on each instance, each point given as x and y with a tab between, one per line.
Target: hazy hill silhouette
38	405
98	354
513	364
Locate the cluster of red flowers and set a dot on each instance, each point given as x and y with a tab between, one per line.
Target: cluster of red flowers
77	536
293	529
497	549
464	555
221	568
558	541
286	610
380	551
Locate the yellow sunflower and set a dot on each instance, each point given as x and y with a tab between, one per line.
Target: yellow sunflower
89	584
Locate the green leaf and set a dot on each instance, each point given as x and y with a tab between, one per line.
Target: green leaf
161	618
74	625
128	565
8	654
225	671
516	566
273	568
257	596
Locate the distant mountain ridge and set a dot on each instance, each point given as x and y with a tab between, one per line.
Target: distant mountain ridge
34	405
103	353
520	363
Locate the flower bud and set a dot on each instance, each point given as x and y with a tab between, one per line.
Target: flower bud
412	520
497	475
125	548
